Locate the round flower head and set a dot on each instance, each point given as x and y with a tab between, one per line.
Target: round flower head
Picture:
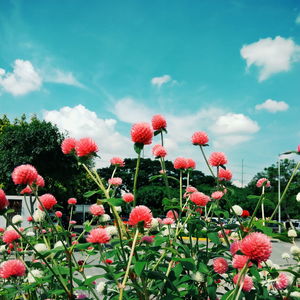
112	230
295	250
105	218
98	236
26	190
173	214
3	200
41	247
68	145
147	239
168	221
58	214
200	138
17	219
257	246
263	181
282	281
245	213
220	265
199	198
292	233
247	282
298	197
117	161
11	268
159	151
180	163
10	236
239	261
38	215
72	201
217	159
40	181
97	210
190	163
33	274
217	195
140	213
48	201
224	174
159	122
141	133
237	210
298	148
86	146
189	190
128	197
235	247
24	174
100	287
116	181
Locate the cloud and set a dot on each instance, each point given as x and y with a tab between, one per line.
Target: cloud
273	106
59	76
159	81
271	56
297	21
22	80
80	122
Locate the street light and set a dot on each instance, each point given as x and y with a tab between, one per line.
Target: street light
279	196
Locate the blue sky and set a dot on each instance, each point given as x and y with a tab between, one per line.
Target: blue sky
231	68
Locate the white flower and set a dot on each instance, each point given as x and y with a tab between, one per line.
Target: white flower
292	233
112	230
295	250
285	255
295	294
41	247
298	197
33	274
58	244
104	218
17	219
237	210
117	208
269	263
100	287
38	215
199	277
154	224
234	235
2	248
30	233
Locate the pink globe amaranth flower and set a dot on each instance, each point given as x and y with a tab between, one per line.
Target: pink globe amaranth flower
30	219
220	265
224	174
72	222
189	190
147	239
239	261
2	229
140	213
200	138
159	151
68	145
180	163
159	122
117	161
97	210
98	236
47	201
10	236
173	214
128	197
298	149
58	214
257	246
26	190
246	281
24	174
72	201
190	163
217	159
40	181
3	200
11	268
168	221
86	146
235	247
282	281
141	133
263	181
116	181
217	195
199	198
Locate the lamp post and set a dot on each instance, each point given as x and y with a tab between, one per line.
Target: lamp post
279	195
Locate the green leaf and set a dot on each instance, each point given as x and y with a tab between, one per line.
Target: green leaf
203	268
89	280
213	236
116	201
139	267
138	147
253	197
157	132
187	263
155	177
90	193
212	292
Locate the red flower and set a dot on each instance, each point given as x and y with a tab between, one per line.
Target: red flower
10	236
282	281
200	138
235	247
180	163
72	201
86	146
117	161
263	181
128	197
224	174
190	163
12	267
247	282
98	236
24	174
48	201
173	214
159	122
108	261
217	159
58	214
40	181
141	133
245	213
97	210
140	213
26	190
217	195
239	261
199	198
220	265
159	151
3	201
68	145
116	181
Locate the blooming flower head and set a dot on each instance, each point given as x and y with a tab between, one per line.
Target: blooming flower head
26	190
111	230
86	146
217	195
199	198
173	214
33	274
141	133
104	218
140	213
68	145
217	159
224	174
257	246
282	281
38	215
128	197
24	174
292	233
100	287
98	236
159	122
298	148
97	210
58	214
10	236
147	239
3	200
298	197
72	201
245	213
200	138
180	163
168	221
17	219
11	268
48	201
237	210
247	282
190	163
189	190
235	247
116	181
117	161
263	181
220	265
159	151
40	181
239	261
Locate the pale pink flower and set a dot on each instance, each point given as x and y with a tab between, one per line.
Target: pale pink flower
72	222
217	159
97	210
220	265
168	221
159	122
86	146
24	174
140	213
10	236
141	133
48	201
247	282
98	236
40	181
224	174
189	190
235	247
173	214
26	190
72	201
180	163
58	214
159	151
3	200
239	261
116	181
217	195
200	138
257	246
199	198
117	161
190	163
263	181
68	145
282	281
128	197
11	268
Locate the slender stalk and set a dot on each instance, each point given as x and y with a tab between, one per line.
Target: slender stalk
162	138
256	208
204	156
136	177
180	190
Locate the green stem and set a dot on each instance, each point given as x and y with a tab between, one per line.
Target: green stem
136	177
206	161
180	190
256	208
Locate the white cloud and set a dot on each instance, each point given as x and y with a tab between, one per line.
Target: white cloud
22	80
297	21
159	81
272	106
271	55
59	76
